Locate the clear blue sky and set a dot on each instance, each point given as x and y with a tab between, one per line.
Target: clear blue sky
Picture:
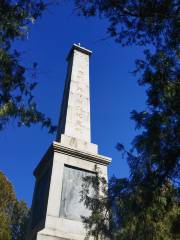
114	93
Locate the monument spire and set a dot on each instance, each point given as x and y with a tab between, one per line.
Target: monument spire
75	109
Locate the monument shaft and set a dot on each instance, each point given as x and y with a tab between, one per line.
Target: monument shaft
75	110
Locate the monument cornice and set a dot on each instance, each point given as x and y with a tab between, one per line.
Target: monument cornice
80	49
96	158
59	148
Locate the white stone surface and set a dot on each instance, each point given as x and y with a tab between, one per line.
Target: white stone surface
73	148
76	97
70	229
78	144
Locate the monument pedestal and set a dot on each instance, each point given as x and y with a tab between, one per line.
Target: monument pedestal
59	177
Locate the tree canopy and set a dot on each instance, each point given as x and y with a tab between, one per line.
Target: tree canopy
136	21
14	214
145	205
16	80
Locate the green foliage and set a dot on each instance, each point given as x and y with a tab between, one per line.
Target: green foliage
16	84
19	220
7	198
158	145
4	228
14	214
146	205
136	22
128	210
97	223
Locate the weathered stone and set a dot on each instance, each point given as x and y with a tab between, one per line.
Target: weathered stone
75	110
56	207
71	205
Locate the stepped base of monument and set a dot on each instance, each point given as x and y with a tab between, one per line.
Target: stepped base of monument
49	234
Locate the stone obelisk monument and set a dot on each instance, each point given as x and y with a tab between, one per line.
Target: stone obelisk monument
56	208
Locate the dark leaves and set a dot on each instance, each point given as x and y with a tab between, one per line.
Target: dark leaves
14	214
16	84
145	206
137	22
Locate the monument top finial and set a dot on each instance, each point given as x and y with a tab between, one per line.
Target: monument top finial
78	48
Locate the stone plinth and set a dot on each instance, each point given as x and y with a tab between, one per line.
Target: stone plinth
52	224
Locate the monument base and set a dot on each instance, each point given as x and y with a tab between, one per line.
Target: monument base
56	208
57	228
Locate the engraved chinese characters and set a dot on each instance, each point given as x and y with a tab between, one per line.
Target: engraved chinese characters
77	117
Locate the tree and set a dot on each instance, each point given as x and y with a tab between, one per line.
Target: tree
14	214
124	210
19	220
145	206
135	21
16	84
7	198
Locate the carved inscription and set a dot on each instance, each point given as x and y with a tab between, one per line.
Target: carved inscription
71	206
